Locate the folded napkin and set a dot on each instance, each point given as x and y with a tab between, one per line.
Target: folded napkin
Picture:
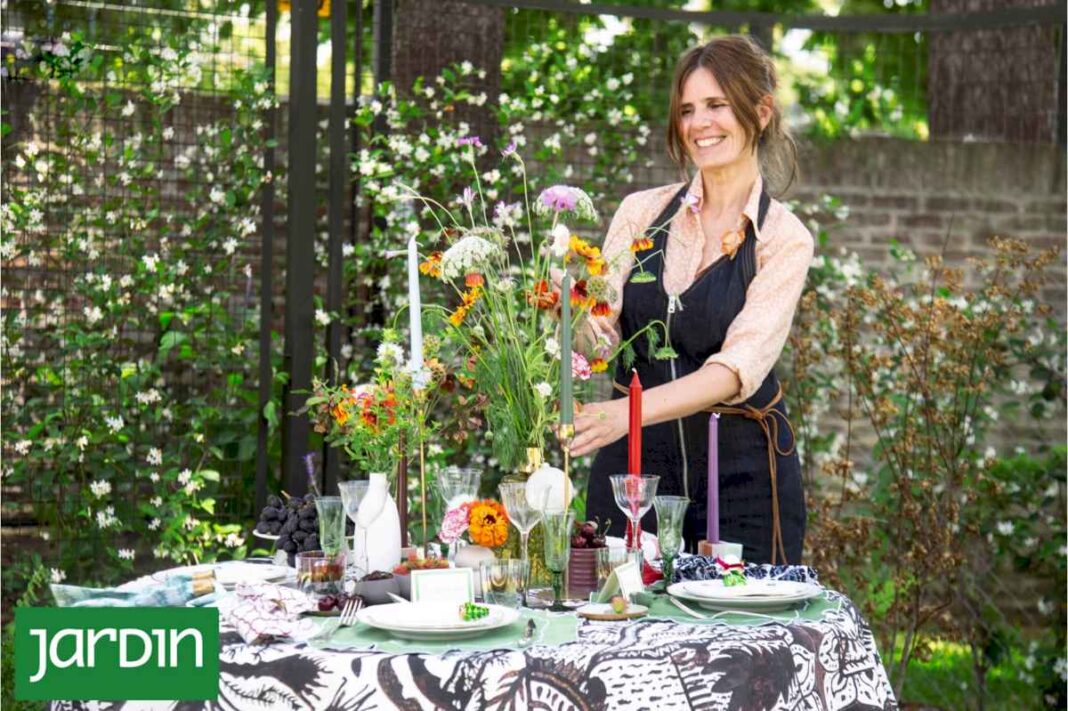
175	591
700	567
262	612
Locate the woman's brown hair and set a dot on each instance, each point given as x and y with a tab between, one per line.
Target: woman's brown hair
747	74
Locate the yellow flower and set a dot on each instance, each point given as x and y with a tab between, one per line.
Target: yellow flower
457	317
488	524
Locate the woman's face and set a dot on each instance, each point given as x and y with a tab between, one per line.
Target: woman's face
709	130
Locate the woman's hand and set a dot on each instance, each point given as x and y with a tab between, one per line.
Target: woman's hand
598	424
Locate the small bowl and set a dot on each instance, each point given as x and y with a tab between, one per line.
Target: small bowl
319	573
376	592
404	585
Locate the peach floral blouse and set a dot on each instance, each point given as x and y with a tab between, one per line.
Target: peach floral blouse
784	251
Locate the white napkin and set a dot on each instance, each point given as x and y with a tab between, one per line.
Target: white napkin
261	613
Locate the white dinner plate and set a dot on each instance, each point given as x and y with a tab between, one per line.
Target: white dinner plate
431	621
755	595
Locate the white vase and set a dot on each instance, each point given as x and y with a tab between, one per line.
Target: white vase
380	541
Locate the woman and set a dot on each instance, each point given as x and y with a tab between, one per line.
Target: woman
730	263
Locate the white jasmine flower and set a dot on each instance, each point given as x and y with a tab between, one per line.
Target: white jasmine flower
100	489
23	446
153	477
93	314
322	317
229	246
126	553
58	576
154	524
217	195
233	541
114	423
151	261
155	457
82	442
184	477
128	109
1006	528
148	397
156	501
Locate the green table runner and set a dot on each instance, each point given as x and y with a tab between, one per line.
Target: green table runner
557	628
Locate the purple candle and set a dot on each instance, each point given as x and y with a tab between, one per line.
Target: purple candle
713	479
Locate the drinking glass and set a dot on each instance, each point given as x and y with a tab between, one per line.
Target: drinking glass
557	527
502	581
458	485
608	559
331	524
356	503
634	496
523	516
670	512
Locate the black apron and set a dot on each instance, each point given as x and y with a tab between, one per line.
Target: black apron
677	450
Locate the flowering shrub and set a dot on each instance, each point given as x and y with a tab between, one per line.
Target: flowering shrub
927	367
126	387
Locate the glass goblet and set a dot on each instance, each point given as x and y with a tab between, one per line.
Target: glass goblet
352	493
634	496
557	527
670	513
523	516
331	524
458	485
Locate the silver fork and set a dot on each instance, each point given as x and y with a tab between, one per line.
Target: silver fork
348	613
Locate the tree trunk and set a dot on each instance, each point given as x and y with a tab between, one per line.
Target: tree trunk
429	35
994	84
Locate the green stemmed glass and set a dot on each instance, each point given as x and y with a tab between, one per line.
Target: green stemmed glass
670	514
557	529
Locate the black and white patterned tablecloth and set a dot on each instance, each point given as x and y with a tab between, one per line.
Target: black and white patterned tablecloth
659	664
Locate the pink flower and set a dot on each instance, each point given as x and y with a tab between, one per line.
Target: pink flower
455	523
690	201
580	367
560	198
470	141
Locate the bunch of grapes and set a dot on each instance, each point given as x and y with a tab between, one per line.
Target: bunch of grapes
586	536
296	523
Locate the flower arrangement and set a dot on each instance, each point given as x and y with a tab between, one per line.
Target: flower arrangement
374	421
485	522
500	262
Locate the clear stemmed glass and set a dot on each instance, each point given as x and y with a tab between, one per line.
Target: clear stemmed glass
523	516
670	513
557	550
458	485
363	510
634	496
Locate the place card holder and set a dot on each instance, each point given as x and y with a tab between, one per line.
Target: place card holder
625	580
444	585
722	549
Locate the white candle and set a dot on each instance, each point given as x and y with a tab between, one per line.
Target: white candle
415	315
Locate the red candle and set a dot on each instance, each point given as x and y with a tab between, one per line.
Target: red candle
634	453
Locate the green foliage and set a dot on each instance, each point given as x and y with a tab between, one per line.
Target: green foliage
129	384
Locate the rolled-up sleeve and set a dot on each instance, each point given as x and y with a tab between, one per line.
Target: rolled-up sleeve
756	337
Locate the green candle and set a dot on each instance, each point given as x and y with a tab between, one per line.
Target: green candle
567	405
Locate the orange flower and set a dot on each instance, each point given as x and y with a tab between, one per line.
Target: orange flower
580	298
457	317
470	296
340	413
641	244
432	266
474	279
488	523
601	308
595	264
598	365
731	241
542	295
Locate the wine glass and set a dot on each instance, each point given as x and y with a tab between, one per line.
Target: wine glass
557	527
634	496
363	509
458	485
670	512
523	516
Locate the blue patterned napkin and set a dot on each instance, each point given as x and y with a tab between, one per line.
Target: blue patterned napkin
700	567
176	591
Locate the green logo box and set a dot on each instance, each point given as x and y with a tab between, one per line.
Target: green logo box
117	653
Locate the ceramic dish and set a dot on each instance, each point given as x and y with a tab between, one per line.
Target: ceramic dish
756	595
603	611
